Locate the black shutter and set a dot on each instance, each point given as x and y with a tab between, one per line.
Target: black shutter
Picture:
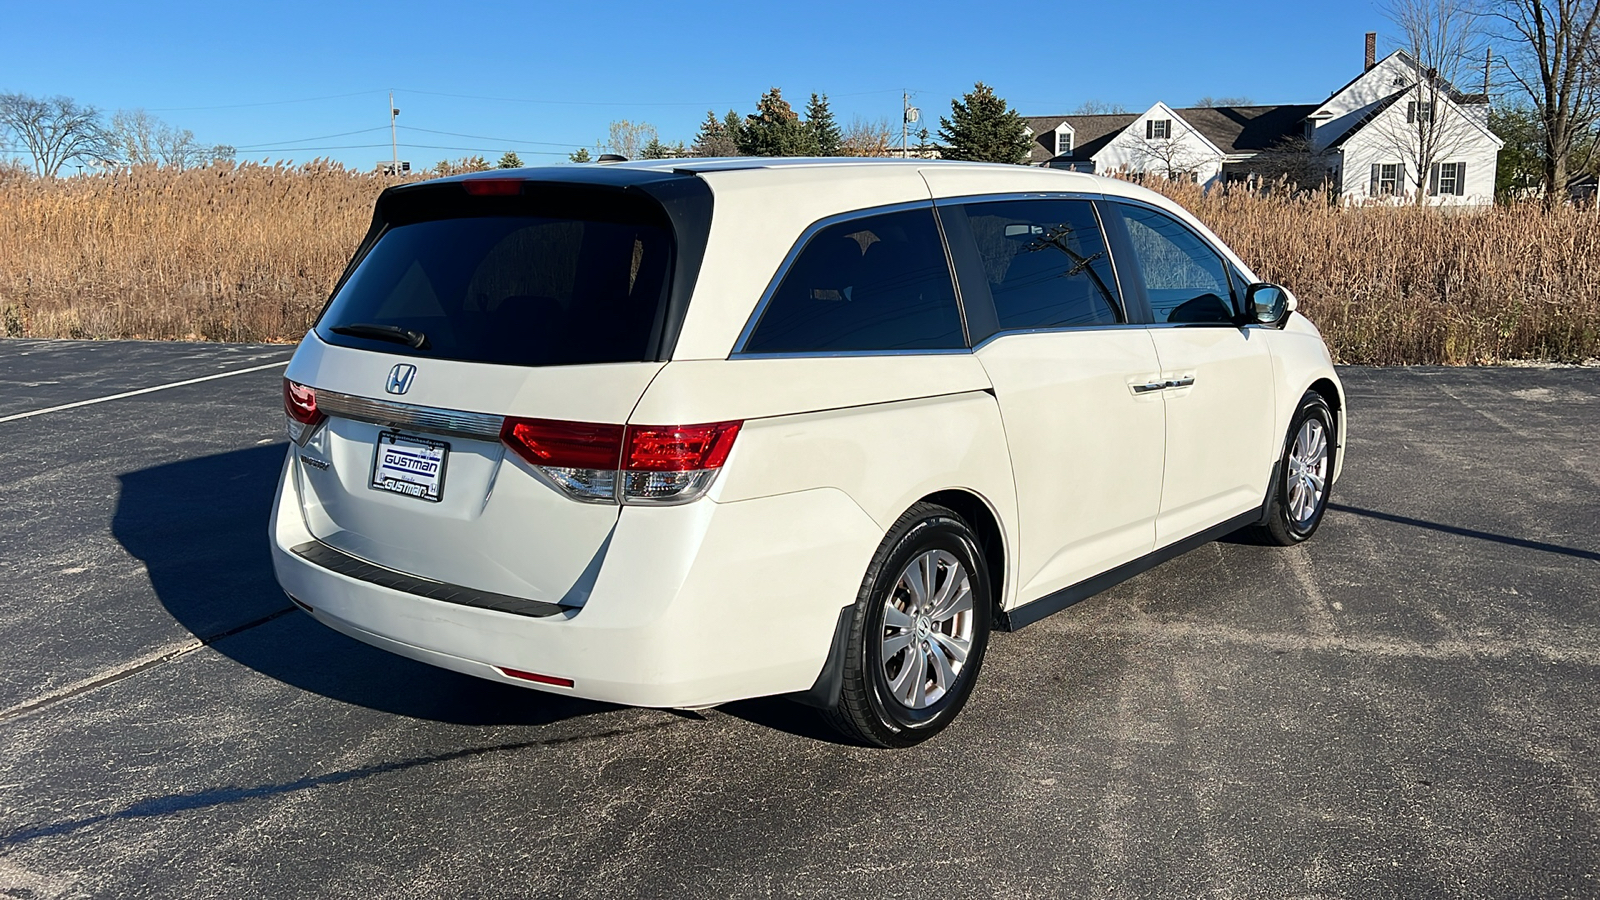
1433	180
1461	179
1373	190
1149	129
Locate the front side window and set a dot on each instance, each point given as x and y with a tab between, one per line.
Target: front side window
1046	263
1158	129
874	283
1183	277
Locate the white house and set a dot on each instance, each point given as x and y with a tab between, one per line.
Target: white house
1394	131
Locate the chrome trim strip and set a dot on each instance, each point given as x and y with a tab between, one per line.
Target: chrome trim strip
1063	329
800	245
966	199
449	422
812	354
1150	388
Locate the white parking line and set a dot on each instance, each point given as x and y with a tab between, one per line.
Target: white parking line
160	387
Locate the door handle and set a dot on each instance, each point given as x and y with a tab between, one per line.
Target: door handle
1150	387
1180	382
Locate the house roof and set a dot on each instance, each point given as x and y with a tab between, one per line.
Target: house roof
1375	111
1234	129
1090	134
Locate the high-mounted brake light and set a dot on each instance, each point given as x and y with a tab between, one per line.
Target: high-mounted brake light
639	464
493	187
300	405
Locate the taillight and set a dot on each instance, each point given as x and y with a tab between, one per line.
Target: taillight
578	457
637	464
674	464
300	405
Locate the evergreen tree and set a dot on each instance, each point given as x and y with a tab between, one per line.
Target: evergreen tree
713	138
580	156
510	160
733	124
826	139
654	149
982	128
775	129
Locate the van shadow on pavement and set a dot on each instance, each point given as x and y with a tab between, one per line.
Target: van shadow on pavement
200	527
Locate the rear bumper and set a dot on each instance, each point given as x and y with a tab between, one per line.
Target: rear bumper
694	605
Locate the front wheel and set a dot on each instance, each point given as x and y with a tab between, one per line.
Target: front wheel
918	634
1300	491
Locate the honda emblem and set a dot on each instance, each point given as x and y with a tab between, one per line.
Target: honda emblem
400	378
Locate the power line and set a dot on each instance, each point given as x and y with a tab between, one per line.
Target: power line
321	137
485	137
264	102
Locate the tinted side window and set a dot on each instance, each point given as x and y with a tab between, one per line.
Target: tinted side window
1184	278
874	283
1046	263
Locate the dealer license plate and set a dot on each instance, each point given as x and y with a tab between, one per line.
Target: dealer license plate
412	466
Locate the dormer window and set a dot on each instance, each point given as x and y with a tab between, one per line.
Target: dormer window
1157	129
1063	141
1419	112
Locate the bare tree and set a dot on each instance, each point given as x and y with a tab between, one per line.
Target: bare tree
628	139
1551	50
866	137
1171	157
139	138
1294	162
1442	40
1098	108
1210	101
55	130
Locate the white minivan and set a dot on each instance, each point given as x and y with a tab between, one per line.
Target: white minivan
678	433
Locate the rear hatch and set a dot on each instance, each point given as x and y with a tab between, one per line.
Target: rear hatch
472	301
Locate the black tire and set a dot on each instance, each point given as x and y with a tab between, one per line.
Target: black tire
1281	526
866	709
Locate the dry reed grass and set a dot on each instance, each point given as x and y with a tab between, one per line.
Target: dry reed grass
1403	285
249	253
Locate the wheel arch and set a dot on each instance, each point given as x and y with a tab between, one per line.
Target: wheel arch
1331	392
991	537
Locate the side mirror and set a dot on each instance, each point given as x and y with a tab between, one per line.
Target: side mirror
1269	304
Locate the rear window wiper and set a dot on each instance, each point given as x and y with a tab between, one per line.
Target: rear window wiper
395	333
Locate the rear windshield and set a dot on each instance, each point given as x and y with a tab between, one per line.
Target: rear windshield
533	287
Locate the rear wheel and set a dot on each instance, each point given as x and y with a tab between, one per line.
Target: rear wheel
918	634
1300	493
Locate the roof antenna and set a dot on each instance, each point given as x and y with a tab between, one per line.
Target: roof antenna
611	158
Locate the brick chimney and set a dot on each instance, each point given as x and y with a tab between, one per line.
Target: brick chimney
1372	50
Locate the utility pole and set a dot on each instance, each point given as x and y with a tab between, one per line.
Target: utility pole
908	114
394	142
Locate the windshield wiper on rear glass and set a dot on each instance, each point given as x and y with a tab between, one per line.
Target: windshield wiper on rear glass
395	333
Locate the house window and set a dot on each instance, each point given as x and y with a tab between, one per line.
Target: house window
1063	143
1419	112
1158	129
1451	179
1388	180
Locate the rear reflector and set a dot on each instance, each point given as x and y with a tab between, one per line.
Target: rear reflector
493	187
536	677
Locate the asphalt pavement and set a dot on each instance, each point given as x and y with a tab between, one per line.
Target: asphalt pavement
1406	706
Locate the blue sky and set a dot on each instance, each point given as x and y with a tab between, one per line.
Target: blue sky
544	79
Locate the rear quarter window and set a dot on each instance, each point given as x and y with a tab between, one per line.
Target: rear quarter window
878	282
